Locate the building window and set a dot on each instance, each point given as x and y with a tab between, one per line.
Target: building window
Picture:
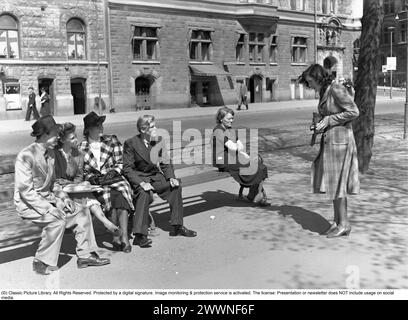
240	48
145	43
200	45
8	37
273	49
256	47
76	39
403	32
389	6
387	36
328	6
299	49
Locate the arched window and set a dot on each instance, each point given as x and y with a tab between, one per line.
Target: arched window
76	39
8	37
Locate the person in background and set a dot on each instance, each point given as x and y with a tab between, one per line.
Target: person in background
31	106
242	95
45	103
69	162
103	165
38	198
335	169
330	64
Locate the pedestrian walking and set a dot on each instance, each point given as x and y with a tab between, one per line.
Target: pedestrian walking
335	169
38	198
45	103
149	170
103	165
31	106
242	95
330	64
229	155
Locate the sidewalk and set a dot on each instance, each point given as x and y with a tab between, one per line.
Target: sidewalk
239	246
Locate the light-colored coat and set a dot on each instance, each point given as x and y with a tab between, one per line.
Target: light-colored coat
35	190
335	169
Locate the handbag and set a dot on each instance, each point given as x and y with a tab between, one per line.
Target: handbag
110	178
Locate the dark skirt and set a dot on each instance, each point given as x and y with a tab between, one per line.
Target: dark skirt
118	201
248	180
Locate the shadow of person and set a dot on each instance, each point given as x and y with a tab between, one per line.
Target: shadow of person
19	253
307	219
192	205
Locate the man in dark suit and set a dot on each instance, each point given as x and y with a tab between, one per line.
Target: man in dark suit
147	167
31	107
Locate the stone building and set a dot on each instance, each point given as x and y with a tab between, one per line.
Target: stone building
394	37
172	53
52	44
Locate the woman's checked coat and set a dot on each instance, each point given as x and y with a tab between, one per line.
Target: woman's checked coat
335	169
111	159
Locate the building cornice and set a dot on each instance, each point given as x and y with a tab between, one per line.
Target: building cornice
11	62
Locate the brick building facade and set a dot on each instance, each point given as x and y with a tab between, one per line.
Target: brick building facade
165	53
51	44
394	30
185	53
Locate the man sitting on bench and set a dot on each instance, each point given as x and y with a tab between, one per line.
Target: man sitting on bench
148	168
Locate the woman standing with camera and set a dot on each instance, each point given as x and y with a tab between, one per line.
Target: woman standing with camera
335	169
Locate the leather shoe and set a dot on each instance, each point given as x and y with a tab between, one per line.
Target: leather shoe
126	248
182	231
40	267
142	241
93	261
116	246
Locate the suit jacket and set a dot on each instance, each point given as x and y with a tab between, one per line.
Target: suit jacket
31	100
35	189
141	164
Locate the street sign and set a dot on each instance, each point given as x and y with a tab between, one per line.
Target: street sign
384	68
392	63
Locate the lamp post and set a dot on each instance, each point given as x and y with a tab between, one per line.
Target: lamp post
391	29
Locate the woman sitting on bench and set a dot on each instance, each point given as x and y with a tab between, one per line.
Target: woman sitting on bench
229	156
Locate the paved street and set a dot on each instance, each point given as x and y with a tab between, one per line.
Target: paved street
239	246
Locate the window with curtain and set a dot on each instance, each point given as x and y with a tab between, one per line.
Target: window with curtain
76	39
240	48
200	45
299	49
145	43
9	47
389	6
273	49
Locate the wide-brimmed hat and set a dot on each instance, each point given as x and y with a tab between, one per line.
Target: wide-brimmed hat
93	120
43	125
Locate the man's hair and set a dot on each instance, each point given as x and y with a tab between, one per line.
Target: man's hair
329	62
30	87
143	123
222	112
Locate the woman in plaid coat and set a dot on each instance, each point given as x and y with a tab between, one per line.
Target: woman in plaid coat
103	160
335	169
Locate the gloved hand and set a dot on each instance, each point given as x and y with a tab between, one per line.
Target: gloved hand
94	180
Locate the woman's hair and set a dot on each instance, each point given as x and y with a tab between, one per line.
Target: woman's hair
329	62
66	129
143	123
319	74
222	112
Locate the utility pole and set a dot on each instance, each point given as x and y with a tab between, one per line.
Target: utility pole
391	29
97	55
315	30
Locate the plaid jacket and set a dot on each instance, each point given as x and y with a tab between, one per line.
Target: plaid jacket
335	169
111	159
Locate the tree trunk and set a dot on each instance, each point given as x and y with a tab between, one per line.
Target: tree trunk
366	82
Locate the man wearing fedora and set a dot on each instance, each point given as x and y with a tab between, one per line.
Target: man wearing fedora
148	168
31	107
39	198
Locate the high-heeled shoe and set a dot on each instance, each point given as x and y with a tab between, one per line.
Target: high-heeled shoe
339	232
116	246
126	248
330	230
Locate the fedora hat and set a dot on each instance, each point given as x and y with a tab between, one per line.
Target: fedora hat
93	120
43	125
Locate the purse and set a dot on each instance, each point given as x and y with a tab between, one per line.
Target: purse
110	178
